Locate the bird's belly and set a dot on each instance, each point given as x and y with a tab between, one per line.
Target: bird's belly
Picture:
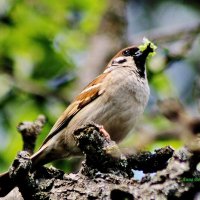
122	119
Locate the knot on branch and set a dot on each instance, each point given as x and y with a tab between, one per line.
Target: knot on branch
21	166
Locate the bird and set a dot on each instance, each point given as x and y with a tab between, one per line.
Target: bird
115	100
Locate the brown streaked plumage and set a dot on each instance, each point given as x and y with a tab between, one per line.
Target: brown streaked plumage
80	101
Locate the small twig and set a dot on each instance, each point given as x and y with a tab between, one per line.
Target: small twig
20	167
30	131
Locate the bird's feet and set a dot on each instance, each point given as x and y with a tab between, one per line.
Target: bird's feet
103	131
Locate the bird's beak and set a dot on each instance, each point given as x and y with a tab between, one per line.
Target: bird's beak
143	54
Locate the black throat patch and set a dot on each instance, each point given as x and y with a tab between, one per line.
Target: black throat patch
140	64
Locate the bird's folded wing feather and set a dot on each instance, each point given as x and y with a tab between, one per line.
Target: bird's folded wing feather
89	94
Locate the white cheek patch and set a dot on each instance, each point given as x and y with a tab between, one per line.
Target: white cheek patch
119	60
115	62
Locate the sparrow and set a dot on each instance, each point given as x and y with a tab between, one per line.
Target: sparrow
115	99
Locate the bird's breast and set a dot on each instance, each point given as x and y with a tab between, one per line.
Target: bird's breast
123	105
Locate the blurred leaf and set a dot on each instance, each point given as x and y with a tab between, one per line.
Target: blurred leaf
162	85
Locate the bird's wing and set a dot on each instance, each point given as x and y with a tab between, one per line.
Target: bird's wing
89	94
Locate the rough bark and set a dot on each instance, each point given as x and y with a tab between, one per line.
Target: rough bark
107	173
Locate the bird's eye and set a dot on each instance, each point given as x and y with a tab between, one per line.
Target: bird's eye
127	52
